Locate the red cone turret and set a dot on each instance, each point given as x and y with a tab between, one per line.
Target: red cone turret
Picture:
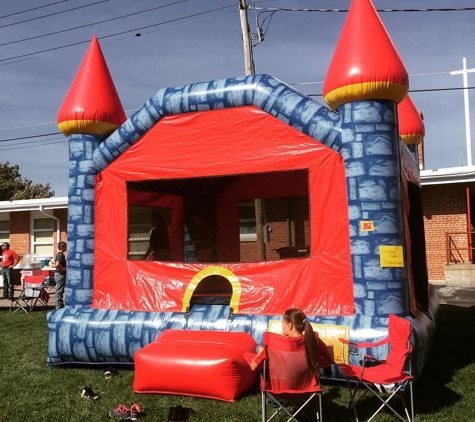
411	126
365	64
92	105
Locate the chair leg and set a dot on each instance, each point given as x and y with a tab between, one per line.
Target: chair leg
411	397
386	403
269	398
17	301
263	404
353	392
278	408
282	404
293	416
356	414
43	302
33	304
320	408
409	416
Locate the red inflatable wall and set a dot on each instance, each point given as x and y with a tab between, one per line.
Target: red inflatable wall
237	141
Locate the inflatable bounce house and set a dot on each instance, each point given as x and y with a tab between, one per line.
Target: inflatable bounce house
304	205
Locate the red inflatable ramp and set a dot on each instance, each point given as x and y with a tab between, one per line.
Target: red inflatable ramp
207	364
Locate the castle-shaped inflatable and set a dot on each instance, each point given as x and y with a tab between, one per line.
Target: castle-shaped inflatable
307	205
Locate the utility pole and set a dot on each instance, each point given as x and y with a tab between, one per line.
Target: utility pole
246	38
249	65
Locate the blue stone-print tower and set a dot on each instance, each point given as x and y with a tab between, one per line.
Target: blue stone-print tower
90	112
365	81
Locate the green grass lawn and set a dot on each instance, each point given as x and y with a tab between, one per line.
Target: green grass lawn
29	390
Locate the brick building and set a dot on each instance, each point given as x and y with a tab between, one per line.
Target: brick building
286	229
447	197
34	225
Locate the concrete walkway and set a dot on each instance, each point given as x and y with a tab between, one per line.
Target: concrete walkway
456	296
5	303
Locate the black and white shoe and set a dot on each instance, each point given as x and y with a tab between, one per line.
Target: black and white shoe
135	412
87	393
109	373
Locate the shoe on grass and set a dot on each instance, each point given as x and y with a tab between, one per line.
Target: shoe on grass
87	393
135	412
121	412
111	372
272	402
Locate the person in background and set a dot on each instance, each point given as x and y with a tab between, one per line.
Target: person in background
159	239
9	260
201	239
60	275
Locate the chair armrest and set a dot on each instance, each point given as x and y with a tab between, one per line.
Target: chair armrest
372	358
361	345
256	361
249	357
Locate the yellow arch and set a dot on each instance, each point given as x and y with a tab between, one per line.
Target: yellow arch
224	272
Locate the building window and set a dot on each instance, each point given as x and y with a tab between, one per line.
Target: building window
139	231
140	228
42	236
4	231
247	222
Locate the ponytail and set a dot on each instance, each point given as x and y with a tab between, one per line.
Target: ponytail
299	320
311	349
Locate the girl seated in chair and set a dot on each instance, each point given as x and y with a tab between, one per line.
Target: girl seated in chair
295	324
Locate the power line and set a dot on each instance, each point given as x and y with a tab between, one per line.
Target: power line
308	95
29	143
30	137
93	23
11	147
49	123
284	9
54	14
440	89
55	140
415	90
263	24
33	8
48	50
181	24
130	36
26	126
410	76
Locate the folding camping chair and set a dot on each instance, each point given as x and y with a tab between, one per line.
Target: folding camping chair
385	379
33	294
286	383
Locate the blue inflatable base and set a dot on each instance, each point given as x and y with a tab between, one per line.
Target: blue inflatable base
82	335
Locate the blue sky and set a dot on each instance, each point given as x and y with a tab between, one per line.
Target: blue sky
187	41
